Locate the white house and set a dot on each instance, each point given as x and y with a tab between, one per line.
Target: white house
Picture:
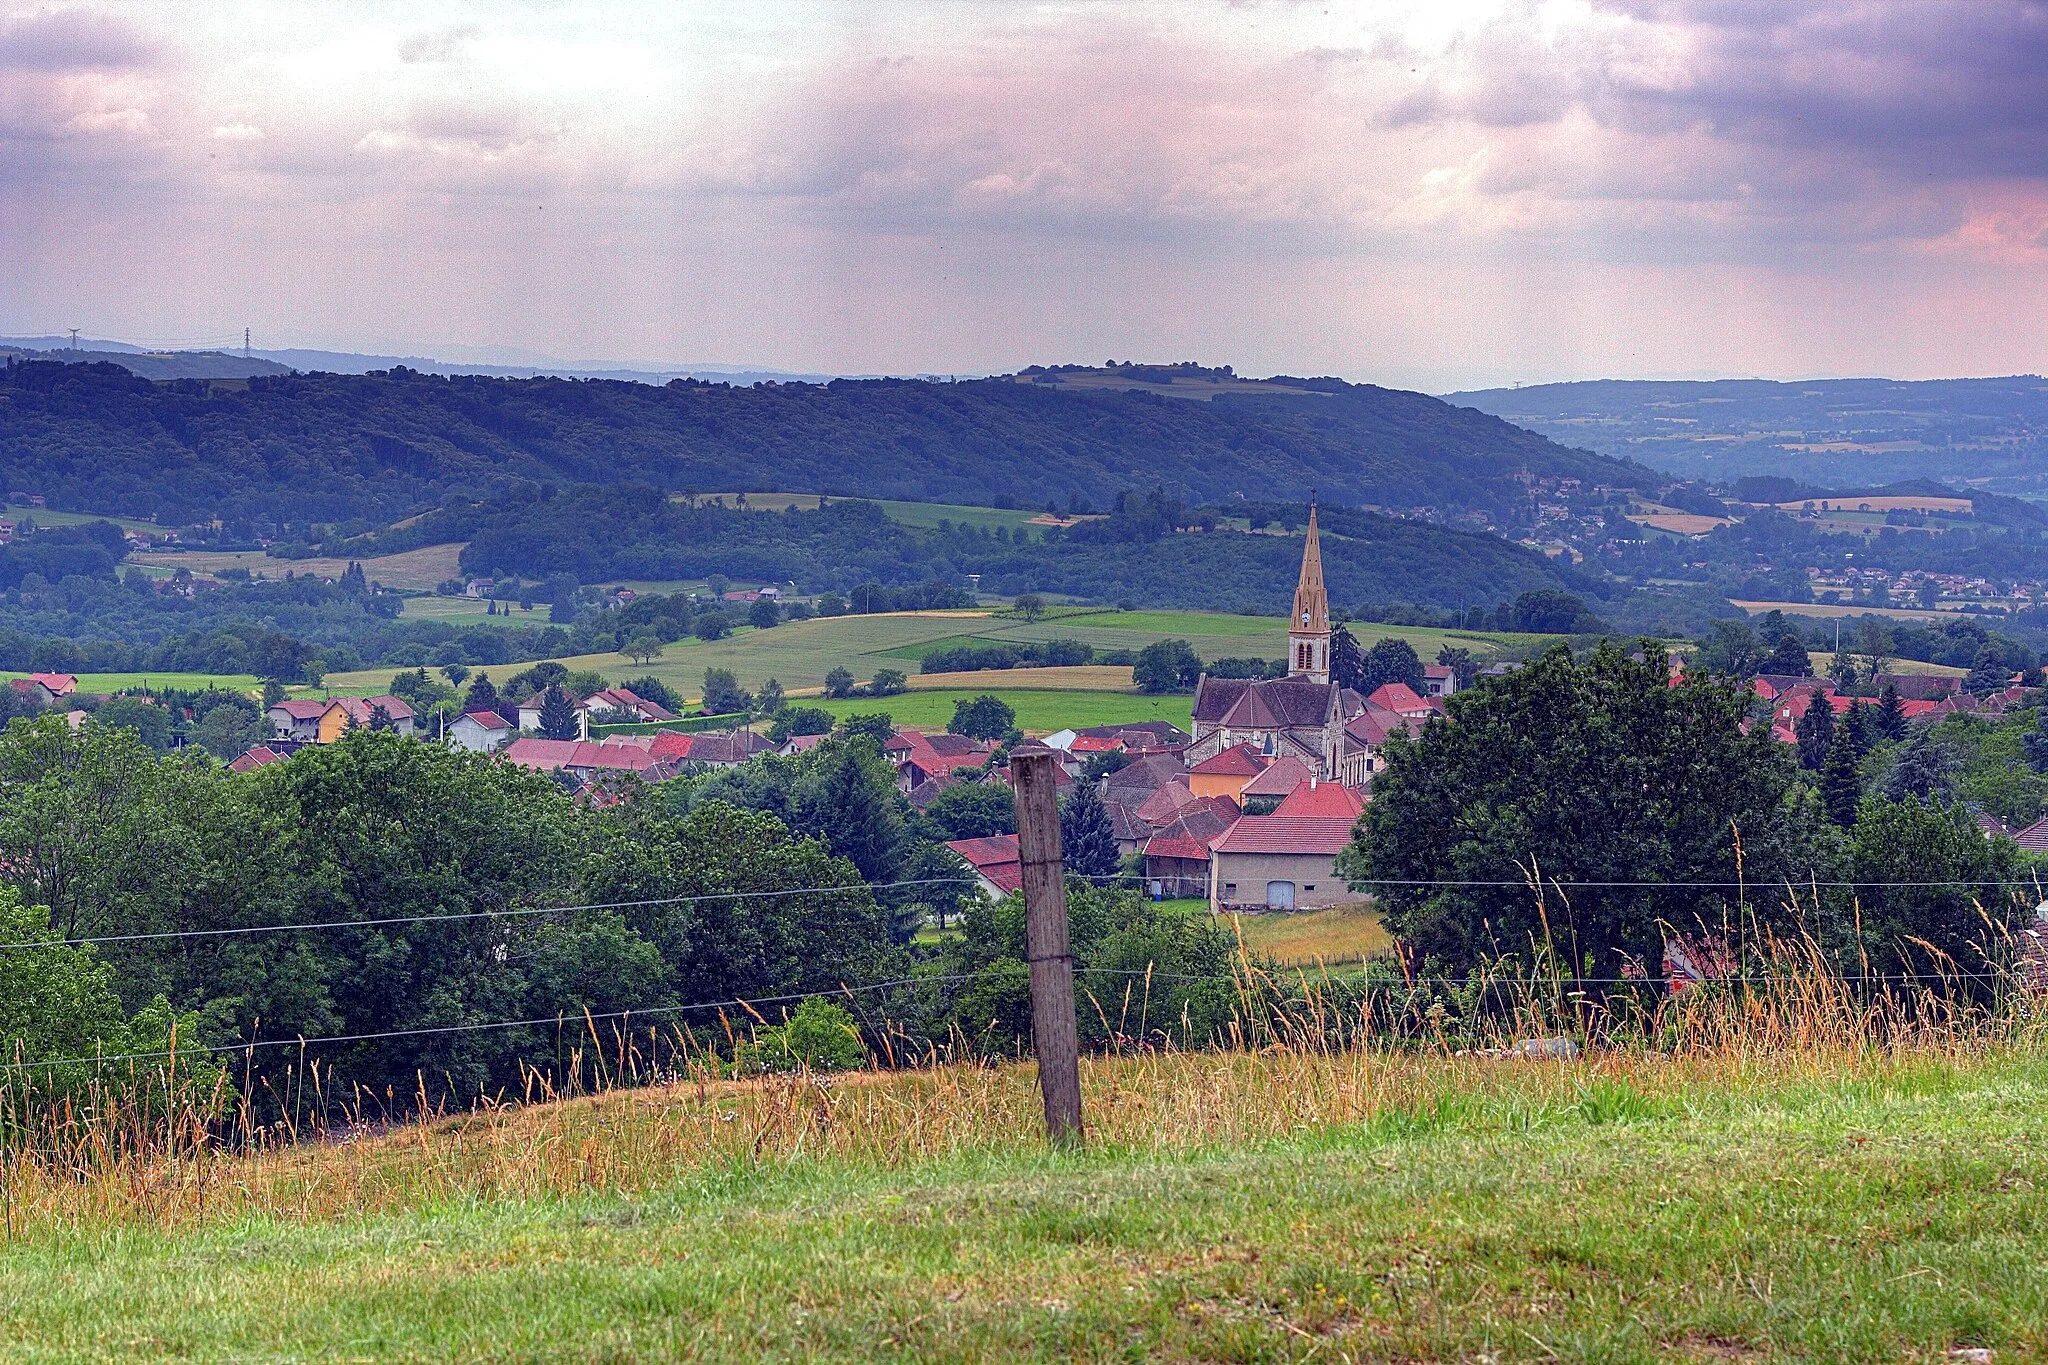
480	732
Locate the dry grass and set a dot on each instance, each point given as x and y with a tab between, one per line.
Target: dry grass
1310	937
1307	1053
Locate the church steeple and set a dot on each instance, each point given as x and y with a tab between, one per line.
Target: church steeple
1308	631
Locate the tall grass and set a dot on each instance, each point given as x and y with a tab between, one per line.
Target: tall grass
167	1144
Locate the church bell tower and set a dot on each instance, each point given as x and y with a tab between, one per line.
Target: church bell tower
1308	632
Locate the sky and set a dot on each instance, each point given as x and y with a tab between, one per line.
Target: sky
1430	195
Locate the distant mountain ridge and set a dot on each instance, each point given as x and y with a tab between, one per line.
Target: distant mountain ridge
294	449
1823	431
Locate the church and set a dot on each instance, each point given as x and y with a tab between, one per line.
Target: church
1300	716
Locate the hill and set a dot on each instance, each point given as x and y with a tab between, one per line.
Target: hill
1827	431
292	450
596	533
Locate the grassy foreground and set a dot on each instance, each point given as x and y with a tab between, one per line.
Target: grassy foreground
1283	1207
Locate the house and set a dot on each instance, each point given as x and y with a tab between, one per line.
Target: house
998	866
1919	686
1177	857
1439	680
59	685
255	758
624	699
480	587
2034	838
729	749
529	715
1404	700
1302	714
1140	736
298	720
581	758
1281	776
346	713
1228	773
1365	736
480	732
33	690
800	744
1323	801
919	756
1279	862
1771	686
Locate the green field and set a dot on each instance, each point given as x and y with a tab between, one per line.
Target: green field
185	682
1846	1208
798	654
1038	710
43	516
906	513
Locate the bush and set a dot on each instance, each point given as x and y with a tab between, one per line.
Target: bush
818	1036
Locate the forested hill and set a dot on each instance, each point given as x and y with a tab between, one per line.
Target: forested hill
370	448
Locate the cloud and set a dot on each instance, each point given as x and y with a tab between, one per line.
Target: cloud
69	40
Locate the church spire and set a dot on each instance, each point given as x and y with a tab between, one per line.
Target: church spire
1308	630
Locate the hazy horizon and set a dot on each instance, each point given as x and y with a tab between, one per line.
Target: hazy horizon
1425	195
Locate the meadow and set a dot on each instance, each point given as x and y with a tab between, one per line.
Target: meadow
418	569
1038	711
1825	1202
798	654
109	683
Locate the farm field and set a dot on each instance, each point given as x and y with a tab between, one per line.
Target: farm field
1823	660
418	569
906	513
43	516
184	682
1857	1206
1039	711
1302	938
1827	611
798	654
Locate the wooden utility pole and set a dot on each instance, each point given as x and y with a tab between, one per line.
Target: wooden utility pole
1053	1032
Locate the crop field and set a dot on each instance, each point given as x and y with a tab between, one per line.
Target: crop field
1038	711
418	569
1829	610
184	682
798	654
468	611
1858	1205
1304	938
43	516
905	513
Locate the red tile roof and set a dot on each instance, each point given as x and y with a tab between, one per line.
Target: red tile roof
1400	698
490	720
1164	806
1239	760
994	857
256	758
1285	834
1331	800
1189	837
359	708
1282	776
307	709
60	684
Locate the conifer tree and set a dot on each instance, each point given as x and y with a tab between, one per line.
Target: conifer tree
557	715
1087	843
1816	732
1841	787
1891	715
482	695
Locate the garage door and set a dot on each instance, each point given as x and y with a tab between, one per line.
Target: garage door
1280	895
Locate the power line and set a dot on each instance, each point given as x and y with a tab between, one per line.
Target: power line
440	1029
1104	879
510	912
744	1003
